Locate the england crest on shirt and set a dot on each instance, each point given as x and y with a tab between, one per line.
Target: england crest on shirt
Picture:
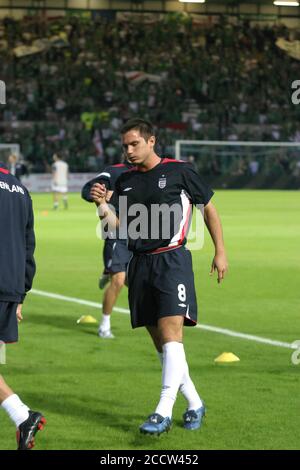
162	182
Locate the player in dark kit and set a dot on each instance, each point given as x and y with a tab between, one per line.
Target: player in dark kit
160	276
115	252
17	269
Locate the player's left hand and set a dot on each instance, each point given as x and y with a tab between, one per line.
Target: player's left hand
19	313
219	264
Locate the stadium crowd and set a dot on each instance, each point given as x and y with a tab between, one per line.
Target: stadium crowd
71	83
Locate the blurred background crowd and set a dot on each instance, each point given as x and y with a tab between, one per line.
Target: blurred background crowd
71	83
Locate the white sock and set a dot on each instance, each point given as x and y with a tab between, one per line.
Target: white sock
188	390
187	387
16	409
173	370
105	323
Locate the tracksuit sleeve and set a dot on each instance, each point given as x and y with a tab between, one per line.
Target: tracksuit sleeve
30	247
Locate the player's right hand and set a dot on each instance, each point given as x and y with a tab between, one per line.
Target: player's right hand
19	313
98	193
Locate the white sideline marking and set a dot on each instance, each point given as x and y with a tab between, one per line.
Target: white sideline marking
214	329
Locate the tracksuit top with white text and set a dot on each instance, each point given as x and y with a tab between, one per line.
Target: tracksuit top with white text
17	239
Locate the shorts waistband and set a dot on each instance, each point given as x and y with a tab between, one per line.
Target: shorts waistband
159	251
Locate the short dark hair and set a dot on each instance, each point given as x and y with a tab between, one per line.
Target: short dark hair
145	128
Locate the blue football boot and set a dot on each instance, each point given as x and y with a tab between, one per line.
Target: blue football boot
192	419
155	424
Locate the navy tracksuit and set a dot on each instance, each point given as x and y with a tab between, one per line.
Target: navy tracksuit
17	244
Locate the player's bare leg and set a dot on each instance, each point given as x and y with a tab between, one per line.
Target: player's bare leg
5	390
154	333
110	297
55	200
103	280
65	201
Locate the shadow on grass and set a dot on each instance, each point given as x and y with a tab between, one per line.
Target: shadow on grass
69	323
93	410
58	321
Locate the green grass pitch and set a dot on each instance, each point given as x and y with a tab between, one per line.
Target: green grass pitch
95	393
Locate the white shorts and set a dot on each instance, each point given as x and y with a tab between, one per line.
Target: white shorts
59	188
